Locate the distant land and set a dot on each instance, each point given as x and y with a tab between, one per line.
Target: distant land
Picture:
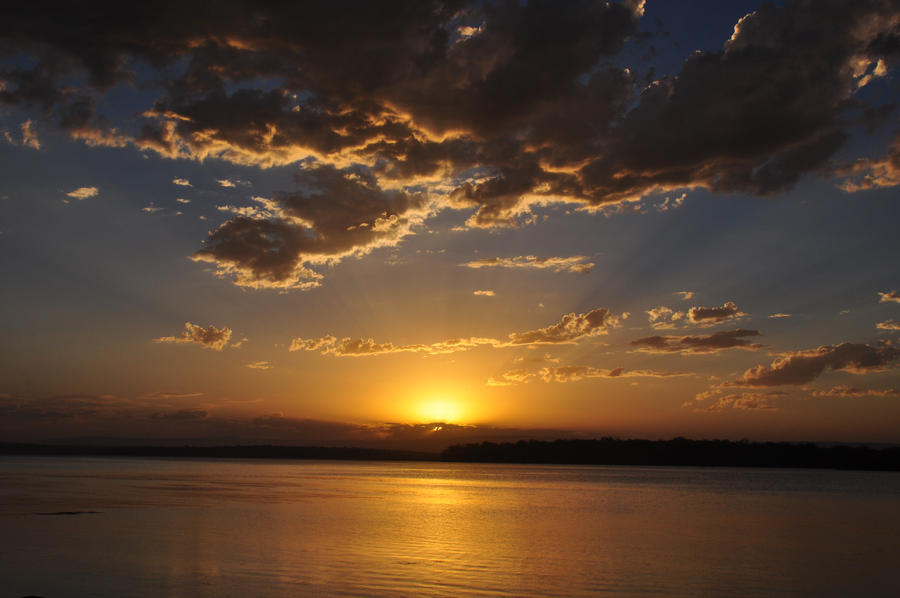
603	451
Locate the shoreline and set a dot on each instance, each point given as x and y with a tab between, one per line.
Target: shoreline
678	452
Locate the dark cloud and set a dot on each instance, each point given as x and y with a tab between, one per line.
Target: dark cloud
495	108
334	214
754	116
101	419
713	343
209	337
714	315
804	366
51	409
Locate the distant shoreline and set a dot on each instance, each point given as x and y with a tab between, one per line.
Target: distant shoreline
603	451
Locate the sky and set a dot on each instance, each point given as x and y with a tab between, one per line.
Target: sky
426	222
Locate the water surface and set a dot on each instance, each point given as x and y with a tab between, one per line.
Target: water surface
210	528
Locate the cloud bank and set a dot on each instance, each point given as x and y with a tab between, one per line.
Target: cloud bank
393	114
804	366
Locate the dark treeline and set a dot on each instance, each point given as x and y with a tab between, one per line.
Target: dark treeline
678	451
603	451
220	452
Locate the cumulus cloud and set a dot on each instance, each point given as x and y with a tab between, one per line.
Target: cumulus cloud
484	293
685	295
151	208
713	343
779	315
182	182
338	213
259	365
576	263
225	182
570	328
714	315
663	317
843	390
889	296
804	366
498	109
83	193
183	200
890	325
209	337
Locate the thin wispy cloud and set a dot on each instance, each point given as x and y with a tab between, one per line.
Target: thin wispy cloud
83	193
577	263
570	328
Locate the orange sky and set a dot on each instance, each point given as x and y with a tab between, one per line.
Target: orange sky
518	219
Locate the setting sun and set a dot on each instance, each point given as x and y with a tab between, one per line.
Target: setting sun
440	409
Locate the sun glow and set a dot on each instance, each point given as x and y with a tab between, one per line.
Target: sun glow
440	409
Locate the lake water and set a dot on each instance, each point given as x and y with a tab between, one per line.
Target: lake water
216	528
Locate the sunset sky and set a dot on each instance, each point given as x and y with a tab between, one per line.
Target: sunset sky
349	222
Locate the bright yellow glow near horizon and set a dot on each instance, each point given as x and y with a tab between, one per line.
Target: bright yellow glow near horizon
440	409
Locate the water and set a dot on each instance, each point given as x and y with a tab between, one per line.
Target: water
205	528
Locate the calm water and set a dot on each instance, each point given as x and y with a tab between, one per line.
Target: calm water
239	528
